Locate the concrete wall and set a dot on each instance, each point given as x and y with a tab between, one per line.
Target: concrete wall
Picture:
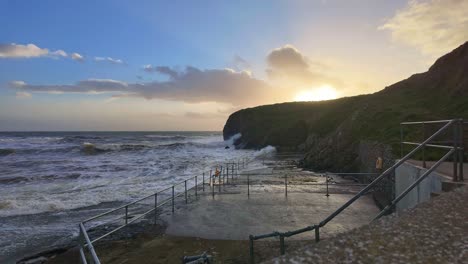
405	175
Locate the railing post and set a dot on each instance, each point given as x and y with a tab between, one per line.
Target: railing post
212	184
248	185
185	183
462	149
222	174
232	172
227	173
455	156
219	182
424	147
196	186
286	185
317	233
282	251
251	249
203	185
401	140
172	198
126	214
326	176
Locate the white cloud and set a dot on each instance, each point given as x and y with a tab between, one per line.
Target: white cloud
77	57
435	27
108	59
59	53
191	85
22	51
32	51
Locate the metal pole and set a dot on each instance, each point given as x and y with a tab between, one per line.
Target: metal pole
185	182
282	251
461	145
172	198
401	141
222	174
455	156
126	214
232	172
286	185
248	185
424	148
317	233
326	175
251	249
219	182
196	186
203	182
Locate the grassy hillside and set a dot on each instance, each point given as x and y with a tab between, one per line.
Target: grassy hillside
334	132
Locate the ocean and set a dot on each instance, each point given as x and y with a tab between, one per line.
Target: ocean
50	181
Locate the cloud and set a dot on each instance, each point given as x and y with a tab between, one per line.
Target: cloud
435	27
288	66
77	57
240	63
162	70
59	53
22	51
18	51
108	59
191	85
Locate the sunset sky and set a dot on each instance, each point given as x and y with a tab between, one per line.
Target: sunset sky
186	65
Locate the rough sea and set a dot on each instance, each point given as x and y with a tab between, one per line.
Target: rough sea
50	181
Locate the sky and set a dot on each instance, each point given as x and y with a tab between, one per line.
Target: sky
186	65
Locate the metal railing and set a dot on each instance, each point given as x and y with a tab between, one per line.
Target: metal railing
230	169
253	179
457	140
456	150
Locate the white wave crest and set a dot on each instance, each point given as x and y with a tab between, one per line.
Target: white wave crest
265	152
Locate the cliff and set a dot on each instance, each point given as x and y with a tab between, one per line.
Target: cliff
346	133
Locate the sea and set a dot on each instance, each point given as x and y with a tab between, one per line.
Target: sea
50	181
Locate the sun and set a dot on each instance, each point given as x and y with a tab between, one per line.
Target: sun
325	92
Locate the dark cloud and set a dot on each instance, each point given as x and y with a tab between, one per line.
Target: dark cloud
191	85
288	66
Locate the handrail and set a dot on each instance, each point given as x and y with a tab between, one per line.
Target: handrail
242	162
425	143
89	244
379	178
427	122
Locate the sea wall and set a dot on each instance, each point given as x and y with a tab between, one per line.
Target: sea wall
408	173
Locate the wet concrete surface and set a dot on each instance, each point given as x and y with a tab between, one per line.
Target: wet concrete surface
233	215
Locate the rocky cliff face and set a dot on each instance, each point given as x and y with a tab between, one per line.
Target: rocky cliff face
336	133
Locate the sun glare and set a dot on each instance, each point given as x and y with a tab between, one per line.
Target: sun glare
325	92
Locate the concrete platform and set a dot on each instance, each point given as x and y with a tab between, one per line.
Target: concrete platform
232	215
